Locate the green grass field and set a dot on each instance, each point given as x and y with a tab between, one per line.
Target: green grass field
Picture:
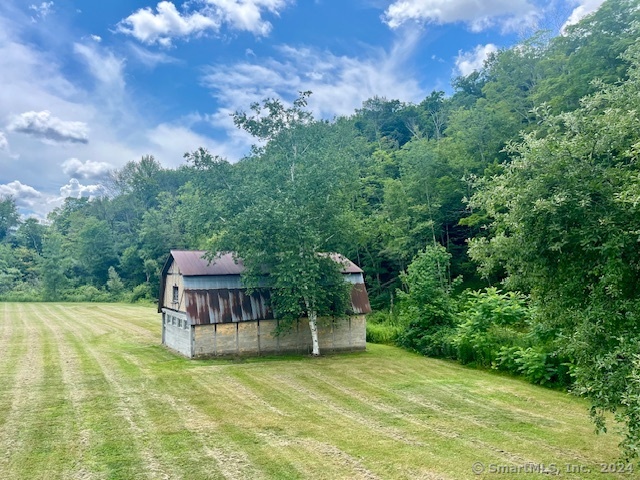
86	391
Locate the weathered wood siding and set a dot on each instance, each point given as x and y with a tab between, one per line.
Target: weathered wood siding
256	338
177	333
174	279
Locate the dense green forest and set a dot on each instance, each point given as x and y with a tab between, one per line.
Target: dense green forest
498	225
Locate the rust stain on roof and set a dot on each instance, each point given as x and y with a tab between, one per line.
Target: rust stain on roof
224	305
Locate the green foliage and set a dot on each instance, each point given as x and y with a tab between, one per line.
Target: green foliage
565	226
115	285
87	293
53	267
549	176
383	333
384	327
288	209
142	293
9	217
427	305
490	321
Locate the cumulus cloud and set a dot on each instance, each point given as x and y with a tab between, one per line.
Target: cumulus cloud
75	189
42	10
509	14
246	15
96	38
83	170
4	143
469	62
167	23
583	8
339	83
24	195
46	127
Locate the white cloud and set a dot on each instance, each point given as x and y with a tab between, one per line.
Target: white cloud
75	189
96	38
176	140
42	10
339	83
168	23
479	15
24	195
151	59
77	169
36	80
46	127
246	15
469	62
4	143
583	8
105	67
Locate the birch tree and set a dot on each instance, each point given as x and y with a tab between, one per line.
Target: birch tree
286	206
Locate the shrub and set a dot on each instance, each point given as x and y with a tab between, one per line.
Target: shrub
427	306
141	293
491	322
383	333
87	293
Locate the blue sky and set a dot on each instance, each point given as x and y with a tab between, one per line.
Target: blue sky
88	86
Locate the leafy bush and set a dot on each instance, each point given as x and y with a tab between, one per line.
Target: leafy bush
427	307
141	293
87	293
383	333
490	321
22	292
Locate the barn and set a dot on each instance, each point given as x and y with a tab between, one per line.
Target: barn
206	312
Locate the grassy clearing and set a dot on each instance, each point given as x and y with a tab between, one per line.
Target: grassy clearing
86	392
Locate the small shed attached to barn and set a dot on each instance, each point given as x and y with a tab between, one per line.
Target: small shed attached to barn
206	311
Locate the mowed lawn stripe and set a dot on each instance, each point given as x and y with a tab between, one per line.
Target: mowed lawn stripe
115	447
427	412
136	315
249	423
13	347
28	397
341	432
171	448
133	409
50	439
523	412
77	388
209	410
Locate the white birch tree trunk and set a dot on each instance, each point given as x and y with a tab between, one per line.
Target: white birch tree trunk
313	326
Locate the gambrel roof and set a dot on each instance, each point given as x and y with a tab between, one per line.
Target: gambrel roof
192	263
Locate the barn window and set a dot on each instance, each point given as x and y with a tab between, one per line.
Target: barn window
175	294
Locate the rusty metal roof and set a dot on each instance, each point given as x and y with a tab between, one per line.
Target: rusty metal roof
205	307
192	263
221	305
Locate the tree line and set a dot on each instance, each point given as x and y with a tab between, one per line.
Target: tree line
498	225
